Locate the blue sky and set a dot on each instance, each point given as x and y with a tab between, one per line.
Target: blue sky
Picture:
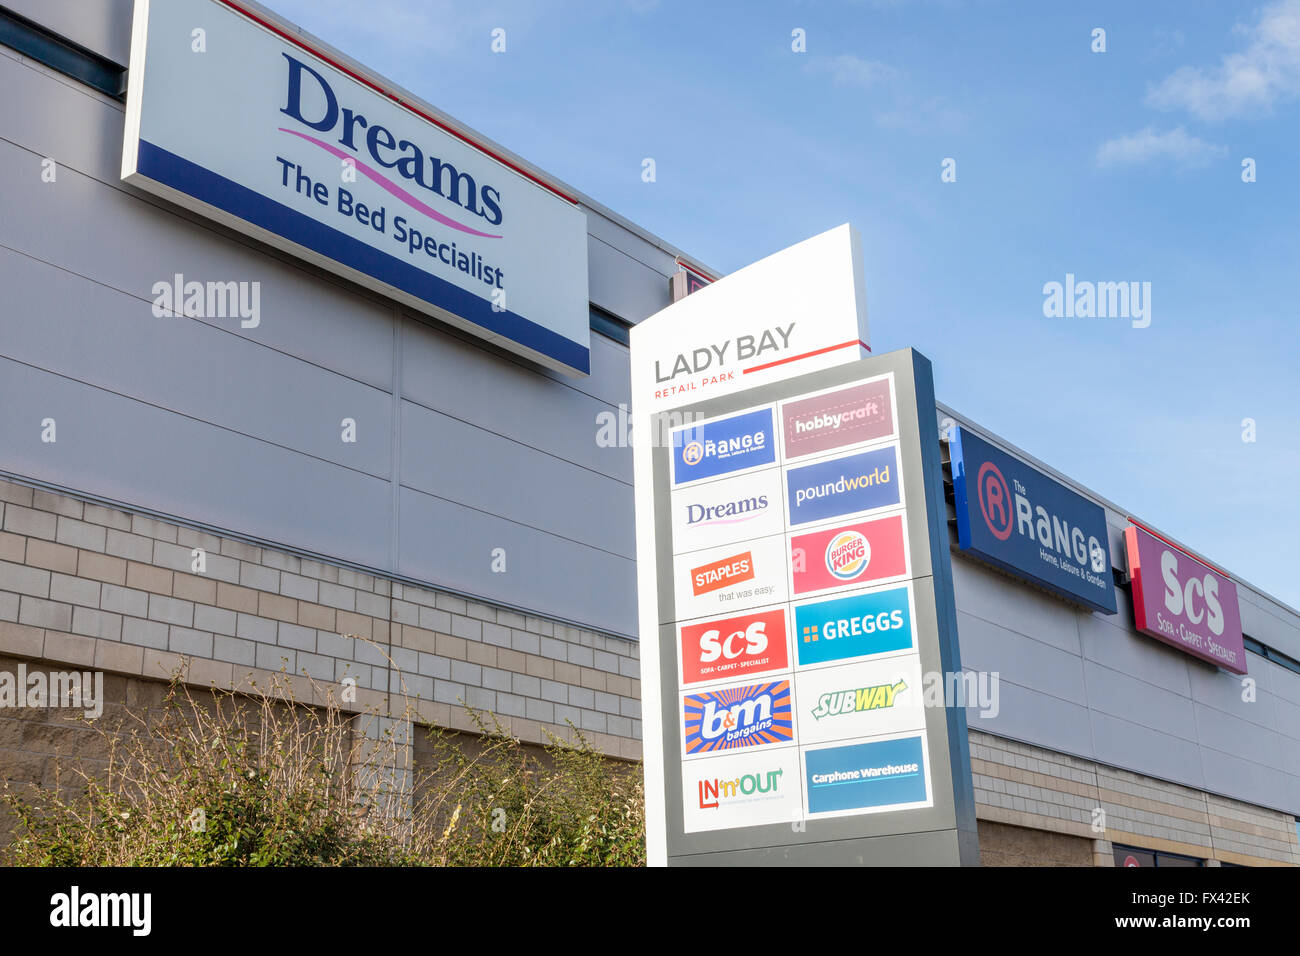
1117	166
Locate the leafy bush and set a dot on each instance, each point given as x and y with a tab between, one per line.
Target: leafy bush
253	779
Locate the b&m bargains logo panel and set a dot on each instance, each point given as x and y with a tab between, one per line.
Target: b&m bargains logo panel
879	775
862	625
731	718
742	789
723	446
867	699
844	486
730	647
859	553
717	512
837	419
731	578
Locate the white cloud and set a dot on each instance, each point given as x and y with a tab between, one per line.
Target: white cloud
849	70
1251	81
1148	145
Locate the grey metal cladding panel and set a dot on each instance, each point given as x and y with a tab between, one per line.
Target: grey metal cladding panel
1265	622
445	542
100	229
1143	657
450	459
103	26
1037	718
1223	692
145	456
463	381
627	242
64	323
1120	695
1249	781
1249	741
1019	659
1123	743
622	285
994	597
1279	681
1287	715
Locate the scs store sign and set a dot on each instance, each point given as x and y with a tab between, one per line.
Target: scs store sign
734	646
1179	600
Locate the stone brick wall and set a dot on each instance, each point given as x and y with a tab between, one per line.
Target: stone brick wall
1029	787
86	586
1004	845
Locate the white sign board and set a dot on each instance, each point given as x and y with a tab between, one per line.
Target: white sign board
235	117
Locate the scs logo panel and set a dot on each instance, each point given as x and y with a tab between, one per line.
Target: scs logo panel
724	446
732	718
731	647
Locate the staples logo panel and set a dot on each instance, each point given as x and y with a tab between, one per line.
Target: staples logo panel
733	718
860	553
866	699
844	486
741	790
723	446
838	419
875	776
718	512
731	647
864	625
731	578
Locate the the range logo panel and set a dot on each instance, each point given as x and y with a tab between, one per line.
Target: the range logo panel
731	647
732	718
860	553
867	699
742	789
845	486
857	778
1014	516
838	419
861	625
736	509
723	446
733	577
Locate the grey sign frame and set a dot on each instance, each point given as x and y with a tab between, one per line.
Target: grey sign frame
943	834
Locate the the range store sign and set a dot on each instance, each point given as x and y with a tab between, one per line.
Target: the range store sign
1015	517
1183	602
798	664
280	140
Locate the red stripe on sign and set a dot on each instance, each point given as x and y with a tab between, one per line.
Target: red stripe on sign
1179	548
301	44
795	358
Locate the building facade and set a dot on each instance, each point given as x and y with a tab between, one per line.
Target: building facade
382	497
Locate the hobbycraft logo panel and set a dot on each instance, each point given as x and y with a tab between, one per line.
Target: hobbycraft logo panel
860	553
840	487
839	418
723	446
736	718
742	789
867	777
731	647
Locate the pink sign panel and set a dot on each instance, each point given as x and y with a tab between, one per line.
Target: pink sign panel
1179	600
837	419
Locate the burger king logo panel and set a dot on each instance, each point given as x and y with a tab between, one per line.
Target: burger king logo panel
865	552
